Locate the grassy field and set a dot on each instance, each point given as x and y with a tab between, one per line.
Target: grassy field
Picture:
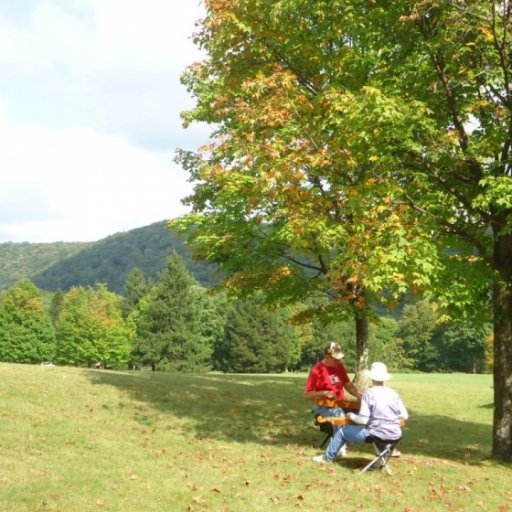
93	440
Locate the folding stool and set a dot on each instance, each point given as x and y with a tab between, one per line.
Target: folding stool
383	449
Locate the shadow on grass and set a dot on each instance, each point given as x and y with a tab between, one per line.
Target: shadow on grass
270	409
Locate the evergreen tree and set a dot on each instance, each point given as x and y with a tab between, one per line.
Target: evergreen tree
416	328
462	346
26	332
386	345
256	339
56	305
174	328
91	330
134	290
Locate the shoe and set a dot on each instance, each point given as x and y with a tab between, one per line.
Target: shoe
396	453
342	452
320	459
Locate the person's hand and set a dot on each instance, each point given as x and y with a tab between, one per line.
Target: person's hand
330	394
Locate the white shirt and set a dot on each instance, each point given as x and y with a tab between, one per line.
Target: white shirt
382	408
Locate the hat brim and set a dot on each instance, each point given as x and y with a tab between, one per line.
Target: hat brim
378	376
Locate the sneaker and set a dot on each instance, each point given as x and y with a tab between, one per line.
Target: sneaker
342	452
320	459
396	453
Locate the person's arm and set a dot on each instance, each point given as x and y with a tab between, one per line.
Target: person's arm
364	412
314	385
313	395
357	418
352	389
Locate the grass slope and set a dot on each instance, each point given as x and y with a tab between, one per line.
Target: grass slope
91	440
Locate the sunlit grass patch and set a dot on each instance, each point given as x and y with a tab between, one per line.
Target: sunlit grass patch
139	441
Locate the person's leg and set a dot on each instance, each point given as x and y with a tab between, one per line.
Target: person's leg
343	435
326	412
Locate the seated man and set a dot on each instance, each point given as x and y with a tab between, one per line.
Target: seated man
327	382
380	414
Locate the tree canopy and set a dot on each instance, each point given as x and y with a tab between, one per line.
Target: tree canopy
90	330
26	332
176	324
364	144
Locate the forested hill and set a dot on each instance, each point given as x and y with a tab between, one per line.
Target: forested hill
61	265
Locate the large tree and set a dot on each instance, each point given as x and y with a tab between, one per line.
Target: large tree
177	323
454	58
287	197
90	329
347	131
135	288
26	331
256	339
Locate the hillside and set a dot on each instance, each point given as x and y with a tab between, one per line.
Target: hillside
19	260
61	265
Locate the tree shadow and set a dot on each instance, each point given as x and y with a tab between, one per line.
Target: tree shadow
270	409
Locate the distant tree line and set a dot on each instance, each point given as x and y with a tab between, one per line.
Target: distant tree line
173	323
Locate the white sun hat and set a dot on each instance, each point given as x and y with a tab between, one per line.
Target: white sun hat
378	372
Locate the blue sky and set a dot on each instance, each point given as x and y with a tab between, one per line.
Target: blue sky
89	115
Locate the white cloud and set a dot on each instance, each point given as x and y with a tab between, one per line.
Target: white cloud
81	185
91	98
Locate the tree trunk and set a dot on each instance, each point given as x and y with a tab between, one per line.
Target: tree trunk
362	352
502	423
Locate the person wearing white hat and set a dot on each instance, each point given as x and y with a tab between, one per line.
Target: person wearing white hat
379	416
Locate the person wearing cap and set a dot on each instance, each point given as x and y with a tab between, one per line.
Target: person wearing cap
328	380
380	414
326	384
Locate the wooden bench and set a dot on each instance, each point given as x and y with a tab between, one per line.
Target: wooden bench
327	426
326	423
335	420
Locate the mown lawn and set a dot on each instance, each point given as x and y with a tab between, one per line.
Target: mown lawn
93	440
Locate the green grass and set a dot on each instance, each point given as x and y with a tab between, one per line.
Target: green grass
92	440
